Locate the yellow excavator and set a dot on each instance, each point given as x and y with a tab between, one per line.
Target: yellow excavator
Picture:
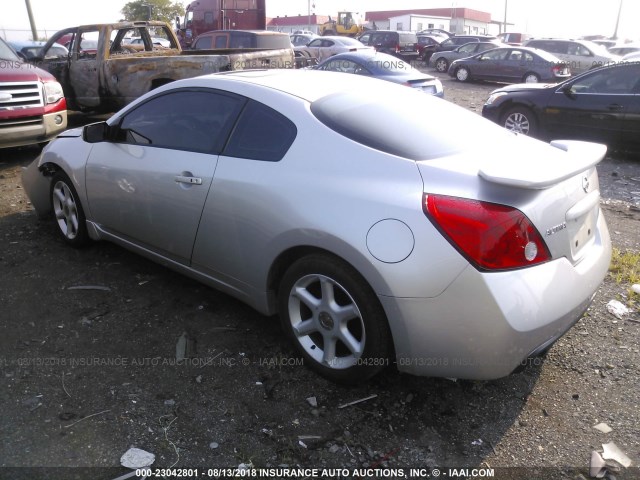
348	24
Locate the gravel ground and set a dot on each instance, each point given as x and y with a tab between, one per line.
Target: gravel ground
88	374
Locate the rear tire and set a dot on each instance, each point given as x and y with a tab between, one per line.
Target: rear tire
334	319
521	120
67	211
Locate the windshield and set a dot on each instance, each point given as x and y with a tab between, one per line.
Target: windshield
6	53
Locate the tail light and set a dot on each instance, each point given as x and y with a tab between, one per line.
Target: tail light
489	235
398	49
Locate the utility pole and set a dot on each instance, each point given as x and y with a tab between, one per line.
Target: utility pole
34	32
505	16
615	33
309	14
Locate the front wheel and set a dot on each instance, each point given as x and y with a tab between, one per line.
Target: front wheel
442	65
520	120
334	319
531	78
462	74
67	210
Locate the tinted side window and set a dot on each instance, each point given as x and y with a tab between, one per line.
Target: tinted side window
221	41
261	134
203	43
193	120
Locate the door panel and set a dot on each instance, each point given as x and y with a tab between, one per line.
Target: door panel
595	105
150	182
152	196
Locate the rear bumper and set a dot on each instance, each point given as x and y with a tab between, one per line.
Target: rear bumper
485	324
35	131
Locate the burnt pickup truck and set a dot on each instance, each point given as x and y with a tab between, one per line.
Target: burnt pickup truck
110	65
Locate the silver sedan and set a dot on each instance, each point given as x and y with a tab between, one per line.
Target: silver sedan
328	46
376	235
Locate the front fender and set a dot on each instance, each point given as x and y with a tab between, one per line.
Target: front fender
69	153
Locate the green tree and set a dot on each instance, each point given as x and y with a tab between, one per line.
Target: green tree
162	10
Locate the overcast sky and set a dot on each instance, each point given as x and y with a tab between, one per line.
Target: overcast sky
567	18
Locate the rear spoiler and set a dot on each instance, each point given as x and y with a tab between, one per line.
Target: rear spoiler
578	157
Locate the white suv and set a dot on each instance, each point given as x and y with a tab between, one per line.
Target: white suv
581	55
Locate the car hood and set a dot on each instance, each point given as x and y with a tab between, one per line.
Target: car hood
23	72
523	87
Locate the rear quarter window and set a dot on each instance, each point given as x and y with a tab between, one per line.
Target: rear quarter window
261	133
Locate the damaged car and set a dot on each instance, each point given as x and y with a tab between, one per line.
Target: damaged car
379	239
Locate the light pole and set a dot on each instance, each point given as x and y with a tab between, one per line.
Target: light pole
615	33
309	14
505	16
34	32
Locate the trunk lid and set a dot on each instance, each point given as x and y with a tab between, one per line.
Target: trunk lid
555	186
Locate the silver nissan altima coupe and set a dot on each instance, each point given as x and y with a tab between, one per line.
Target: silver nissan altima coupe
348	207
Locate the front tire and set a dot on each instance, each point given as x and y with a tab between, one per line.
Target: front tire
463	74
334	319
67	210
442	65
520	120
531	78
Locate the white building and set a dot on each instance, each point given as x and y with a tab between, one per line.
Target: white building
455	20
417	23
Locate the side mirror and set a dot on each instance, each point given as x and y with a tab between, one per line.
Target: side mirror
568	91
177	23
96	132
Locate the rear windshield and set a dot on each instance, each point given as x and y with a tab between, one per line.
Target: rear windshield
408	38
405	123
252	40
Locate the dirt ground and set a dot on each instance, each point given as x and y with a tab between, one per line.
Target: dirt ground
88	343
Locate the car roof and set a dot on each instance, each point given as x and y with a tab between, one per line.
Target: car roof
366	55
309	85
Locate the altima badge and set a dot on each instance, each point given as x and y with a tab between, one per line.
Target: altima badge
556	229
585	184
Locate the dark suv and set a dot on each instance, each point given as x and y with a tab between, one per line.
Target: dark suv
403	45
459	40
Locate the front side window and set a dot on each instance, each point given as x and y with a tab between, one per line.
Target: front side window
485	46
494	55
470	48
192	120
616	81
316	43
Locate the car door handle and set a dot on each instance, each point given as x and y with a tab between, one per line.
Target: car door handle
615	106
188	180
